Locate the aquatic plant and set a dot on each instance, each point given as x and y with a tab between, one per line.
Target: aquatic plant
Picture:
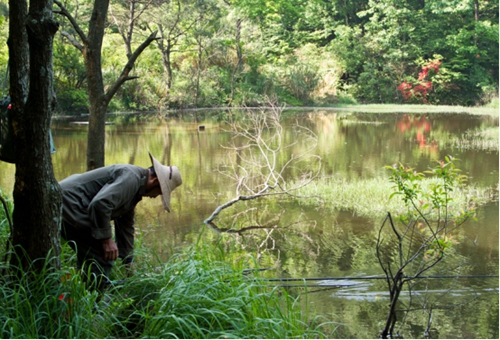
370	197
480	139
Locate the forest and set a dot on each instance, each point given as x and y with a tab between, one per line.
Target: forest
213	53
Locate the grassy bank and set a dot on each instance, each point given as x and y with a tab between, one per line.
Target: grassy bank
194	295
491	109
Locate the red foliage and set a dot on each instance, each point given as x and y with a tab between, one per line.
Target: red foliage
423	86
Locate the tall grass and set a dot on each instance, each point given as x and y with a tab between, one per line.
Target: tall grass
41	305
196	294
199	295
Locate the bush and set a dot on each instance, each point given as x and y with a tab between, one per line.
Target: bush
72	100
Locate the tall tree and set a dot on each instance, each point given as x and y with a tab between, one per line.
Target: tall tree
175	19
37	197
99	96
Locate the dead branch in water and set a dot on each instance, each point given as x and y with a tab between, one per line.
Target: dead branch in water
255	163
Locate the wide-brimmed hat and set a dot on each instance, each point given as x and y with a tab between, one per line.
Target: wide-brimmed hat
169	178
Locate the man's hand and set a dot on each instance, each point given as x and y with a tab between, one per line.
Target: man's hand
110	249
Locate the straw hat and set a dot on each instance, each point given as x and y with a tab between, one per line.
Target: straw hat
169	178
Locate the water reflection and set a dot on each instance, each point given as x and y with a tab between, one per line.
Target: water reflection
420	127
308	242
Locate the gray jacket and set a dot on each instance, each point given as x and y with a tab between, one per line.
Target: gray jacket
95	198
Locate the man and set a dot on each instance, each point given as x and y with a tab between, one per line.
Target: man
95	198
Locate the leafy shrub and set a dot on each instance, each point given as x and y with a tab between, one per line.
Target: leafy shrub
72	101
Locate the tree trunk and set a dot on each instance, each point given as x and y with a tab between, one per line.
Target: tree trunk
97	130
476	18
239	53
37	197
199	39
97	100
165	48
91	47
476	10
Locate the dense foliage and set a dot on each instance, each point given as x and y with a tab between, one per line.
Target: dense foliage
244	52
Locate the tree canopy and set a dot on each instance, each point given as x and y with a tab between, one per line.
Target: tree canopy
241	52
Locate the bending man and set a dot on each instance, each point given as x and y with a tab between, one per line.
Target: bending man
95	198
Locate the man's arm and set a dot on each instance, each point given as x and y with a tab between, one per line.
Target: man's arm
112	196
124	236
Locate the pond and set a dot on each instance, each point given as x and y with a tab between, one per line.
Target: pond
332	251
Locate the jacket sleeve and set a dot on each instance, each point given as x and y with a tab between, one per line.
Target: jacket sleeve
124	234
111	197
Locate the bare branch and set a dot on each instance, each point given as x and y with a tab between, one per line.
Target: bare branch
125	24
64	12
255	162
72	40
235	200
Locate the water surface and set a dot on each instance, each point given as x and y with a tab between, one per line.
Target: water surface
324	244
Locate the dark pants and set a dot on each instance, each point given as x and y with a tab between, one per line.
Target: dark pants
89	256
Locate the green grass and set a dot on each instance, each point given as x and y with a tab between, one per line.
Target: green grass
199	295
493	103
4	222
196	294
370	197
32	308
